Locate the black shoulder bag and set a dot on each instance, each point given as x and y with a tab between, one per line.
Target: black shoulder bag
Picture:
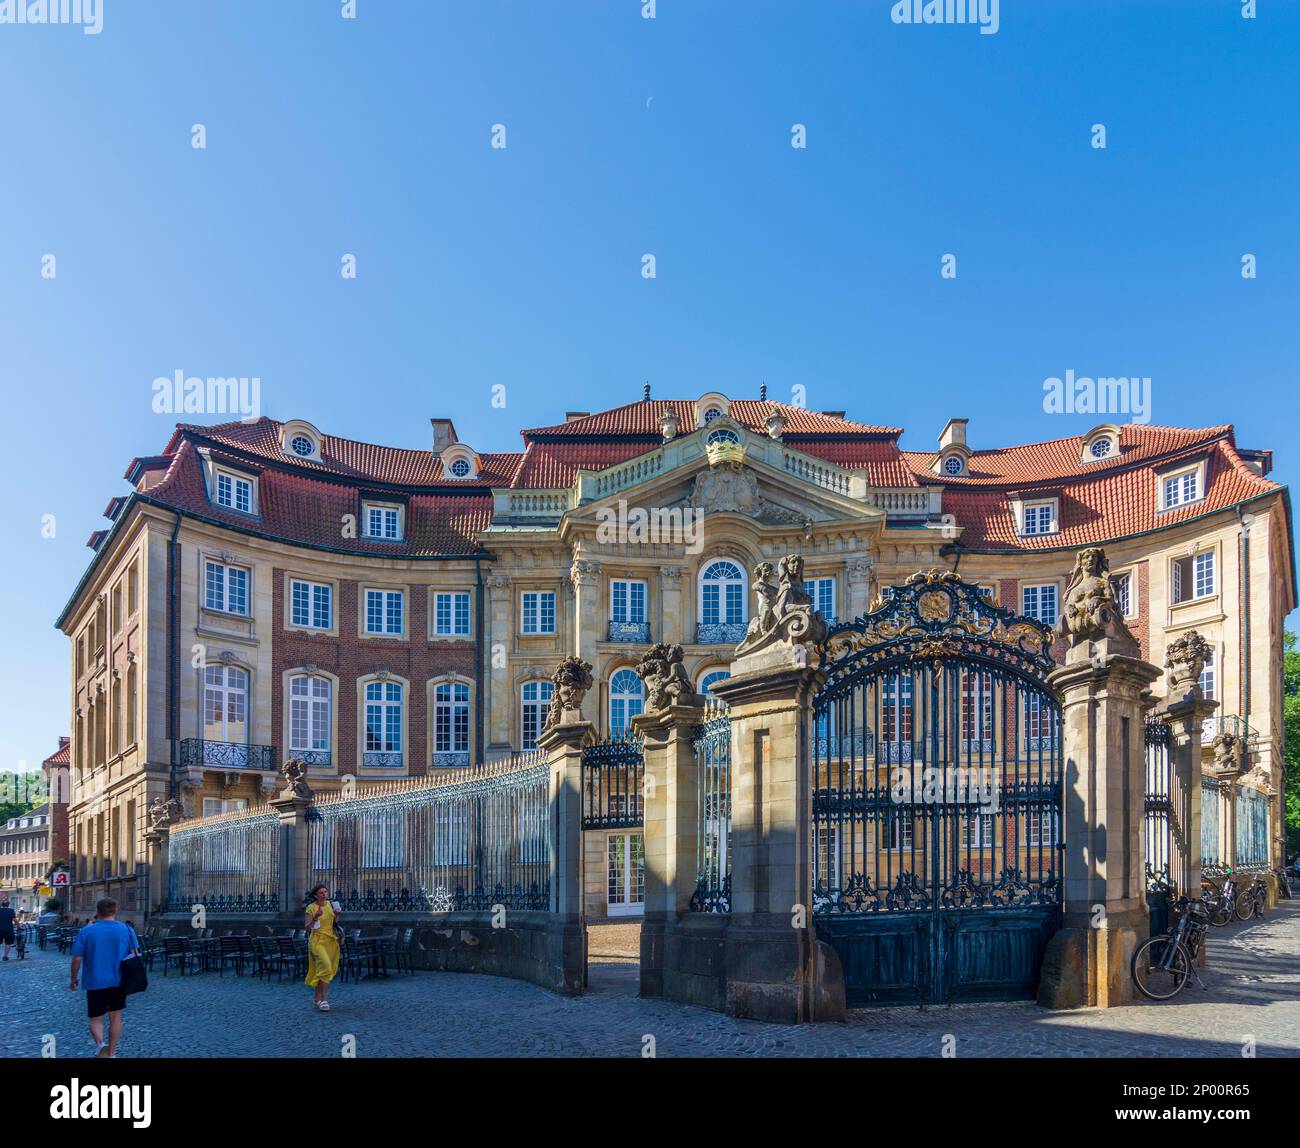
134	979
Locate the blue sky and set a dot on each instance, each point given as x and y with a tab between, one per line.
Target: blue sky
522	266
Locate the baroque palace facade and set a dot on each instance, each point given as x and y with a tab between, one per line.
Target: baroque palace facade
268	590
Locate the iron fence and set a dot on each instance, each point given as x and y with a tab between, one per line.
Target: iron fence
1158	817
1213	862
713	832
1252	829
227	864
613	784
436	846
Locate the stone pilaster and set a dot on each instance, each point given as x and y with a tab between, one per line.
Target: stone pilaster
588	629
157	840
498	702
673	623
295	848
1104	699
671	830
567	944
859	585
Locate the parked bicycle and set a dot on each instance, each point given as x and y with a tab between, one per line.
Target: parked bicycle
1221	902
1284	883
1163	964
1251	903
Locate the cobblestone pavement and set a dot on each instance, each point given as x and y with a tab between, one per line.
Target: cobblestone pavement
1253	983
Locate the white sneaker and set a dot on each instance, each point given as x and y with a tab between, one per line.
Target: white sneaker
324	1006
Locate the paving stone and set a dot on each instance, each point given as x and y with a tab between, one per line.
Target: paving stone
1252	993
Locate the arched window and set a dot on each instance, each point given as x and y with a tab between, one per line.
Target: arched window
225	704
1100	447
451	724
536	698
300	444
711	414
952	464
460	468
626	700
711	678
722	434
722	602
310	702
383	724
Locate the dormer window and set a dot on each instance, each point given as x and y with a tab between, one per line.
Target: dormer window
953	465
1036	516
1099	443
460	468
1101	448
382	522
1181	487
301	445
235	491
459	463
300	439
711	414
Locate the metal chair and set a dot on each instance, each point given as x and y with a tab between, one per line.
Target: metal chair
229	951
179	951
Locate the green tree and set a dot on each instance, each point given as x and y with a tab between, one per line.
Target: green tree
1291	734
20	792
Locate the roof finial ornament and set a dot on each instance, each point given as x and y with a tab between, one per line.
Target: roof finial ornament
762	393
645	392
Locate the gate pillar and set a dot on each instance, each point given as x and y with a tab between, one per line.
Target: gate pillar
775	967
1185	718
1104	689
669	834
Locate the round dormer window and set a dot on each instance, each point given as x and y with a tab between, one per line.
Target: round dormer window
302	445
1100	447
460	468
711	414
952	465
722	435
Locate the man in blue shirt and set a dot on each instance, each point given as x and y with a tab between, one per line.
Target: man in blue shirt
102	946
7	916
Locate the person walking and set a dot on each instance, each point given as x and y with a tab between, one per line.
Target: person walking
7	917
322	945
101	947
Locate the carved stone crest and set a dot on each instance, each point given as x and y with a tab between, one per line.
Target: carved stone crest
785	613
1229	753
571	680
1092	620
726	485
666	681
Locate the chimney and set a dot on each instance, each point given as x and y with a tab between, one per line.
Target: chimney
572	416
953	433
444	434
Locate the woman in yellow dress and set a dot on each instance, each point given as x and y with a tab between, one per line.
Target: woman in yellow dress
322	945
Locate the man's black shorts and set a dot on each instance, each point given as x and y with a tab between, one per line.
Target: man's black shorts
100	1001
7	937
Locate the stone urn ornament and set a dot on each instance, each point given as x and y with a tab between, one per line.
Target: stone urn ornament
1185	658
571	681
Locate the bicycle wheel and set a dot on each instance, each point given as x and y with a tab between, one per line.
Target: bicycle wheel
1221	913
1245	906
1149	974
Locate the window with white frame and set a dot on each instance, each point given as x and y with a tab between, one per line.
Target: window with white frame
1193	577
225	587
827	844
626	700
225	704
1041	826
977	712
822	592
382	521
451	614
900	831
384	611
383	839
536	700
383	718
1038	518
234	492
1122	586
538	613
451	718
896	716
1180	489
310	712
722	594
711	678
311	604
1039	601
451	834
977	830
1207	680
627	598
1041	731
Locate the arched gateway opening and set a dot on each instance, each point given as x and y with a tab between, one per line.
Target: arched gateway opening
937	783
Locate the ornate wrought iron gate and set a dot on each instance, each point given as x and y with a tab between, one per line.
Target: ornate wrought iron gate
937	797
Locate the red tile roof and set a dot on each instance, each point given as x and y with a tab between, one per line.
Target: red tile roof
62	755
643	419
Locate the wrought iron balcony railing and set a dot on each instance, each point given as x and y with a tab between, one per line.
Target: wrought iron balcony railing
716	633
374	757
449	759
1225	723
227	754
313	757
629	631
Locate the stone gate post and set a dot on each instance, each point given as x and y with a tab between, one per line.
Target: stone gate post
563	739
157	842
1185	712
1103	687
775	968
669	968
295	846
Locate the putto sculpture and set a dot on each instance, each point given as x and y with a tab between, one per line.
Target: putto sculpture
1229	753
161	813
785	612
572	679
666	681
294	772
1092	614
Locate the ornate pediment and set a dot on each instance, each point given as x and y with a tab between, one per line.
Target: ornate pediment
730	486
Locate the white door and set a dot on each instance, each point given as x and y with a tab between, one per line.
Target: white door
625	857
